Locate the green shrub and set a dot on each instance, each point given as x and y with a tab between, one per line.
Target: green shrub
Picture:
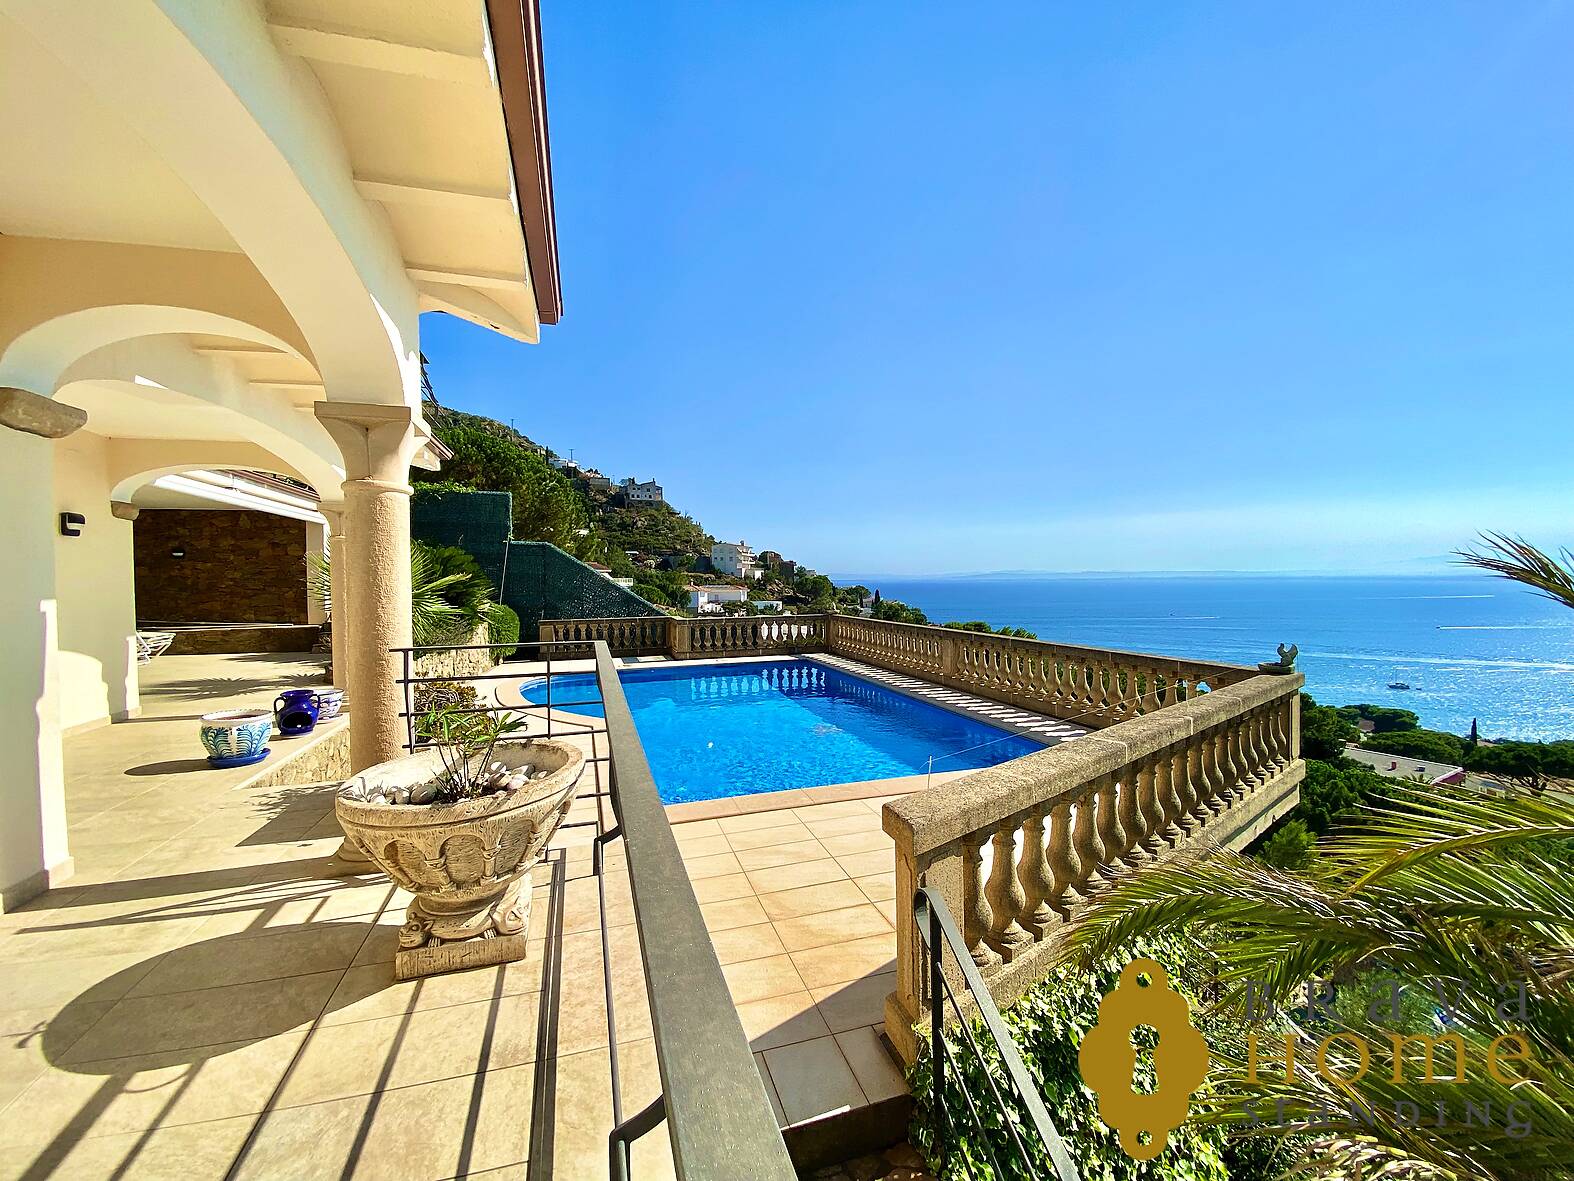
1048	1024
1323	731
502	625
1288	846
1432	745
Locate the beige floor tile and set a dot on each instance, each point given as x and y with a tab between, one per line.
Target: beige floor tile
842	962
813	1079
434	1130
707	846
837	895
857	1002
715	865
770	1091
766	856
755	980
776	834
734	912
872	1064
192	1152
746	943
206	1017
862	865
575	1145
790	877
695	828
878	887
774	818
834	926
121	1095
371	991
864	841
732	885
778	1020
339	1061
214	963
858	822
830	811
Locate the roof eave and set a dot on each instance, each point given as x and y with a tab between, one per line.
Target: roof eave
521	76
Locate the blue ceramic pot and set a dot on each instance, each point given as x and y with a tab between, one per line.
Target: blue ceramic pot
296	711
236	737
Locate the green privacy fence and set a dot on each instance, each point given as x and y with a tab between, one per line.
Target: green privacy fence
535	578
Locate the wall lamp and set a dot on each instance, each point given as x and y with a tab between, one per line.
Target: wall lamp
71	524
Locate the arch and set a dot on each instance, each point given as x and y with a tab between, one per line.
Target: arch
133	468
266	158
40	357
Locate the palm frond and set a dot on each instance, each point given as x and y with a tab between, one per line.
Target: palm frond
1516	559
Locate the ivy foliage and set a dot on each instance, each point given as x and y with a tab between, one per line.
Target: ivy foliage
1048	1024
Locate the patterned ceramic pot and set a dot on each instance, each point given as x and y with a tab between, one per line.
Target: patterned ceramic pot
467	863
236	736
329	703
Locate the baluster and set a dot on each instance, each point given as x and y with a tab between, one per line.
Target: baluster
1038	884
1257	739
1129	812
1007	899
1085	841
1168	798
1283	718
1214	799
1150	812
1197	782
1107	831
977	918
1234	789
1064	863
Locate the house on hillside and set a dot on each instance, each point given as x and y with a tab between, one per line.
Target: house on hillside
595	479
735	560
707	600
635	492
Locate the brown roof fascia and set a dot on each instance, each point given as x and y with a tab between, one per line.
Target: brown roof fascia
521	76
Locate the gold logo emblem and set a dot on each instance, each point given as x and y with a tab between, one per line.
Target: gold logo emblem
1108	1059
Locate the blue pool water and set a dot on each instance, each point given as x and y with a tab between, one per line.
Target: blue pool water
713	730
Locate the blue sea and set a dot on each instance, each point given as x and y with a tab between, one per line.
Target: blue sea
1470	646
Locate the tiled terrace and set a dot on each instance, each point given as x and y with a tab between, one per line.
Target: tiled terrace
214	997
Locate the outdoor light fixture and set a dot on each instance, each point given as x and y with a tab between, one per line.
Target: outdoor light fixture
178	552
71	524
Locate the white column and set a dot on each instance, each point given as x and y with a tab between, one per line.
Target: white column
378	443
33	850
339	591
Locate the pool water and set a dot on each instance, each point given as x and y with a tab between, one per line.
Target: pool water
712	731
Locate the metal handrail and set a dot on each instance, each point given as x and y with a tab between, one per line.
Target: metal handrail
937	930
719	1118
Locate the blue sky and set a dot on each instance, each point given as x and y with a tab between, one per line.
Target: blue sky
906	288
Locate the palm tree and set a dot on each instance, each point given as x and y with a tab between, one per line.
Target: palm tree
1451	895
450	596
1516	559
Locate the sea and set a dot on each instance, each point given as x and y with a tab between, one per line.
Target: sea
1468	645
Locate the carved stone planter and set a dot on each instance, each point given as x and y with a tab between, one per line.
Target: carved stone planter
467	863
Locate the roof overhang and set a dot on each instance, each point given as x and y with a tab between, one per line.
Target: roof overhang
521	75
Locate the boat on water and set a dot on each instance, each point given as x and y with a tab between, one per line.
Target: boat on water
1397	685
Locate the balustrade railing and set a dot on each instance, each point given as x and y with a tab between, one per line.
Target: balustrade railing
644	635
1017	849
748	635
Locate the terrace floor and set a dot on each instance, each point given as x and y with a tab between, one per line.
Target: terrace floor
213	996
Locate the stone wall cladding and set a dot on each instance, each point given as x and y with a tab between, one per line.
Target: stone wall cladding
454	663
240	567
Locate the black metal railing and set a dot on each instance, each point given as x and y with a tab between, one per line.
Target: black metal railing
938	931
719	1119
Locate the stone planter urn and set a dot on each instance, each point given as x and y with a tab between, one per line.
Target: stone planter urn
467	863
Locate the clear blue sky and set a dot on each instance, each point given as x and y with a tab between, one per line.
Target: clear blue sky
914	289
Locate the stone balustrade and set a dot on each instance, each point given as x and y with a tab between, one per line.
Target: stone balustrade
647	635
746	635
1093	687
1018	849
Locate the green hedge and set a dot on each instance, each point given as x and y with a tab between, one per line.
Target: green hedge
502	624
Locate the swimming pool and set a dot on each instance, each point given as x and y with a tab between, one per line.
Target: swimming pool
717	730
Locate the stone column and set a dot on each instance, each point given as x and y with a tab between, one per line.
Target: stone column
378	442
339	593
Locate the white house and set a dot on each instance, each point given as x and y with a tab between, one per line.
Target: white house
735	559
707	600
648	492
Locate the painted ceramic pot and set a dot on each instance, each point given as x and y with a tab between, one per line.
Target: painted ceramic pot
235	737
296	711
329	703
467	863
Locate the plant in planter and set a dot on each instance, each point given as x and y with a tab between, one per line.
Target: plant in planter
460	825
